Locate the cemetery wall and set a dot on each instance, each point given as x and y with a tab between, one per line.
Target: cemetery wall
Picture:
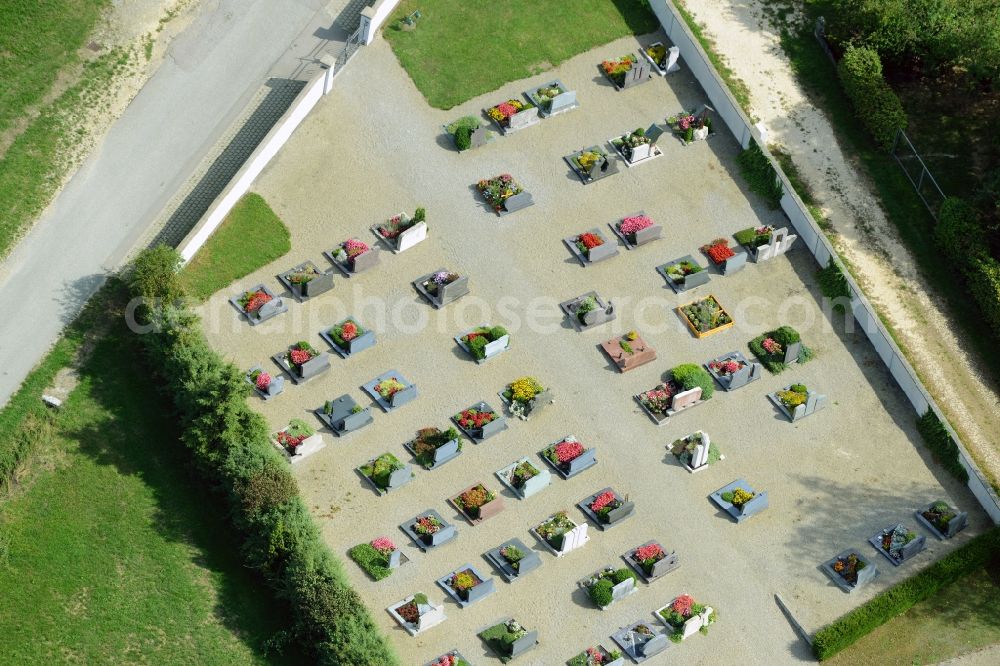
373	17
696	60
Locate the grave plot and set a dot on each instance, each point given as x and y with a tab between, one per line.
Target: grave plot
629	351
433	447
606	508
390	390
765	242
850	570
386	473
638	146
513	559
525	397
552	98
588	310
442	287
378	558
467	133
636	229
686	385
508	639
598	655
258	304
723	257
348	337
684	617
898	543
513	115
306	280
943	520
467	585
663	59
796	401
608	585
706	317
416	613
626	71
691	126
696	451
640	641
779	348
401	232
568	457
740	500
732	370
651	560
683	274
450	658
591	164
479	422
524	478
477	503
504	194
344	415
560	534
591	247
302	362
428	530
353	256
484	342
263	383
297	441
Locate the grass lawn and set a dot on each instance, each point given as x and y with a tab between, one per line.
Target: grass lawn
961	618
464	48
250	237
109	552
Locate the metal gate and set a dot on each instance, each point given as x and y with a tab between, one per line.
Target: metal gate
913	166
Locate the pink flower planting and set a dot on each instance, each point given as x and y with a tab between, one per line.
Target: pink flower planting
727	367
602	501
354	247
764	230
594	656
650	552
771	346
683	604
383	545
446	660
263	381
299	356
567	451
630	225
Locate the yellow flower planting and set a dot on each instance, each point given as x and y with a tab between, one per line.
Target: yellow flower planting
525	388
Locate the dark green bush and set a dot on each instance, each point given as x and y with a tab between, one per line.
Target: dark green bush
690	375
600	592
899	598
154	275
477	346
879	108
941	445
461	130
783	335
623	574
984	283
370	560
833	284
960	234
760	175
232	451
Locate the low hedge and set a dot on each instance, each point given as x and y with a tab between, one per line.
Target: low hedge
851	627
860	72
760	175
833	284
941	444
231	449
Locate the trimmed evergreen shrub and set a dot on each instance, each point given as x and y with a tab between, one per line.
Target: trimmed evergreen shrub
941	445
833	284
600	592
878	107
959	233
760	175
689	375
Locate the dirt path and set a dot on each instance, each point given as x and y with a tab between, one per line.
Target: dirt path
748	38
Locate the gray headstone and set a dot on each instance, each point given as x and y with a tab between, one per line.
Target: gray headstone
524	643
654	645
399	477
403	396
366	260
518	201
653	133
562	102
648	234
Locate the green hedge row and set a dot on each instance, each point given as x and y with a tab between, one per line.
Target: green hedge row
760	175
941	445
860	72
231	448
899	598
833	283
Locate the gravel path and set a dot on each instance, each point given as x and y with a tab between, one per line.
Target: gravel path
746	36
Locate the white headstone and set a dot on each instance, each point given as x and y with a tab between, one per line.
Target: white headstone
411	236
673	53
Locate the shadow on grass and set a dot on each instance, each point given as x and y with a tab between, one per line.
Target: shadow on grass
136	433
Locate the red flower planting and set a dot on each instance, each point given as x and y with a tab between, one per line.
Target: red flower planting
446	660
567	451
719	252
683	604
771	346
290	441
602	501
349	331
299	356
255	301
507	109
263	381
471	418
726	367
590	241
650	552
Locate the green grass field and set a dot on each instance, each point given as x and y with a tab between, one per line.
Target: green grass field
962	618
250	237
464	48
109	551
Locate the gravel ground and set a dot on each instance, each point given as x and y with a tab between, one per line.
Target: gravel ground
834	479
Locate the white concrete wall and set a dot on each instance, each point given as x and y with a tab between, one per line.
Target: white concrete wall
696	60
259	159
373	17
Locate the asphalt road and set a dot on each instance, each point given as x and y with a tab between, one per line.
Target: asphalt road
209	73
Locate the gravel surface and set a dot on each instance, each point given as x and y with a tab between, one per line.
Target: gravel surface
374	147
